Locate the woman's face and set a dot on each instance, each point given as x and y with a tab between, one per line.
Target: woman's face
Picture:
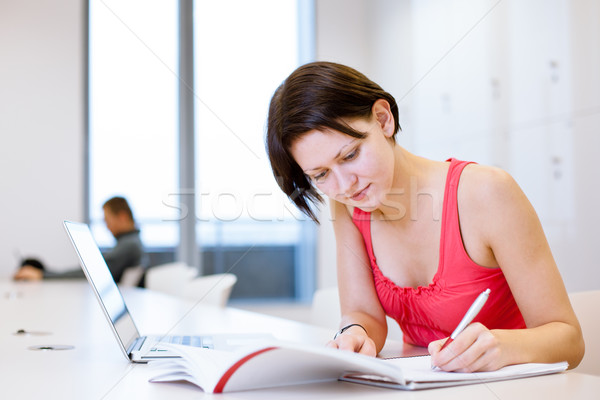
357	172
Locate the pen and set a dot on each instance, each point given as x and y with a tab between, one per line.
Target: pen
471	313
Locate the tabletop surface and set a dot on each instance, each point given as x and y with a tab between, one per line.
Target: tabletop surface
66	313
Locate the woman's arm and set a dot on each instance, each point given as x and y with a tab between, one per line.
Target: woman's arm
497	211
358	299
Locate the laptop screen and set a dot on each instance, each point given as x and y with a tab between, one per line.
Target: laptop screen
103	284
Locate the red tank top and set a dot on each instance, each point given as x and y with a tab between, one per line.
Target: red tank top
433	312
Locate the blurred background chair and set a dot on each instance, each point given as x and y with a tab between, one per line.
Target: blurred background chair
325	309
325	312
169	278
132	276
586	306
210	289
179	279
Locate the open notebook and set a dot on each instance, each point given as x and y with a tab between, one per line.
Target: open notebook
281	364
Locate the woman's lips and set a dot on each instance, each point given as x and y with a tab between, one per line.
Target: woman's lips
360	195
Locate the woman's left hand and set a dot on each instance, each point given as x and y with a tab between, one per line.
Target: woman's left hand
474	349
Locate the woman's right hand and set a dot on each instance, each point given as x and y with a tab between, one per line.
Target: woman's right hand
354	339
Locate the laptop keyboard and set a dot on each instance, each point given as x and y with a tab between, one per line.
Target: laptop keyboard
194	341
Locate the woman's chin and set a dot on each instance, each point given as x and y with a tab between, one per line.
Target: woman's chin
366	206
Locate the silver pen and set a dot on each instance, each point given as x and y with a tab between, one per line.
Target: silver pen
469	316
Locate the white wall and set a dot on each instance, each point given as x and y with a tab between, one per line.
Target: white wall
576	249
41	128
513	84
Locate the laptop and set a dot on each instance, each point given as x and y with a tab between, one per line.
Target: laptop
135	347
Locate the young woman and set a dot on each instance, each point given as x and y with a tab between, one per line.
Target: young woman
418	240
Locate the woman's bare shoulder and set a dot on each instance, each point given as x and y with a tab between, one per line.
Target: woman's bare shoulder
492	203
484	183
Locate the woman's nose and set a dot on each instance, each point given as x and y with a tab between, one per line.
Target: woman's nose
346	183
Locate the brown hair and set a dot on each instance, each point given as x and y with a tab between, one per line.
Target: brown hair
316	96
117	205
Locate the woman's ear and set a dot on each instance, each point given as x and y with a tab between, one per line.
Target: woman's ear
383	115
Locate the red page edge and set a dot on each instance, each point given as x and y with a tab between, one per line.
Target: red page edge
227	375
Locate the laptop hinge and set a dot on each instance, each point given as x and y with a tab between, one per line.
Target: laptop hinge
136	345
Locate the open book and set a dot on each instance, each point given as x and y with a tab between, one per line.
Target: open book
282	364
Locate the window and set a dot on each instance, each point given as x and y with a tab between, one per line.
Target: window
133	114
242	52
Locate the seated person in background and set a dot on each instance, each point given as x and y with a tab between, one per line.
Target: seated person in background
128	251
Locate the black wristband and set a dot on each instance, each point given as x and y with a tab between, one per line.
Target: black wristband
344	329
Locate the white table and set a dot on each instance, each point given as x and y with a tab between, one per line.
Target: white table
96	369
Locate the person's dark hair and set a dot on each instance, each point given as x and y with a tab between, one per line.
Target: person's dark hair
117	205
316	96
